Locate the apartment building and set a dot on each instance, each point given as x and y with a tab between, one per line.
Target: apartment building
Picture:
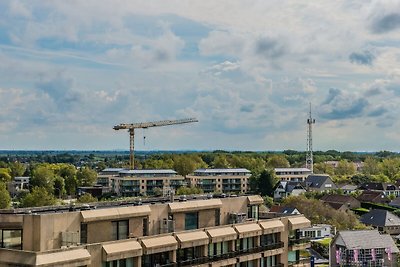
192	233
221	180
292	174
125	182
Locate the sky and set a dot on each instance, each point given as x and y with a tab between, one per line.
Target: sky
247	70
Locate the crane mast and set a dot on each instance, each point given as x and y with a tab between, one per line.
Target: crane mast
132	126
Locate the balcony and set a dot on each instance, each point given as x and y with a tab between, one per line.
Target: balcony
299	263
299	244
228	255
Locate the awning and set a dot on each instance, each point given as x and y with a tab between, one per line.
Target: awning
192	239
159	244
255	200
121	250
272	226
298	222
67	258
115	213
222	234
195	205
248	230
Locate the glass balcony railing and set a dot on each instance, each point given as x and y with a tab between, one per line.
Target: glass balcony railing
299	262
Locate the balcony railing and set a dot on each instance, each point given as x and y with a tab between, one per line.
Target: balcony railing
299	241
231	254
301	261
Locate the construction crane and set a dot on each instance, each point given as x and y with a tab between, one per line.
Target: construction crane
144	125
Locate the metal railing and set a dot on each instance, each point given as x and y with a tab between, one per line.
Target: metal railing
299	241
301	261
231	254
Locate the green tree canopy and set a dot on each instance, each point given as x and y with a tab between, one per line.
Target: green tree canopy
220	162
5	199
183	190
371	166
345	167
318	212
17	169
86	177
38	197
87	198
265	182
68	173
43	176
5	175
277	161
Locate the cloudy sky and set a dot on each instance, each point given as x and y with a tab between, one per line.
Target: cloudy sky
247	70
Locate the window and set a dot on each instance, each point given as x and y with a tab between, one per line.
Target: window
191	220
245	243
252	212
120	230
83	233
270	239
11	239
157	259
190	253
119	263
215	249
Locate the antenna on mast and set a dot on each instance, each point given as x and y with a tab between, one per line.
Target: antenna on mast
309	153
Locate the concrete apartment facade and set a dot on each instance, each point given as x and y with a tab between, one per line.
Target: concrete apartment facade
139	182
221	180
292	174
192	233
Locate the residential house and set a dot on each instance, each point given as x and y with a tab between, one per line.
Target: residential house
386	188
284	189
395	203
348	189
384	221
373	197
362	248
317	231
341	202
320	183
18	183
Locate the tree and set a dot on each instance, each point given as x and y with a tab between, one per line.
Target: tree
157	191
220	162
59	187
277	161
17	169
68	173
86	177
87	198
5	176
371	166
38	197
318	212
323	168
5	199
345	167
184	165
183	190
391	167
43	176
266	182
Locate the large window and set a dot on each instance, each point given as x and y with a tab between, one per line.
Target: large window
270	239
215	249
252	212
191	253
191	220
157	259
245	243
120	230
270	261
119	263
11	239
